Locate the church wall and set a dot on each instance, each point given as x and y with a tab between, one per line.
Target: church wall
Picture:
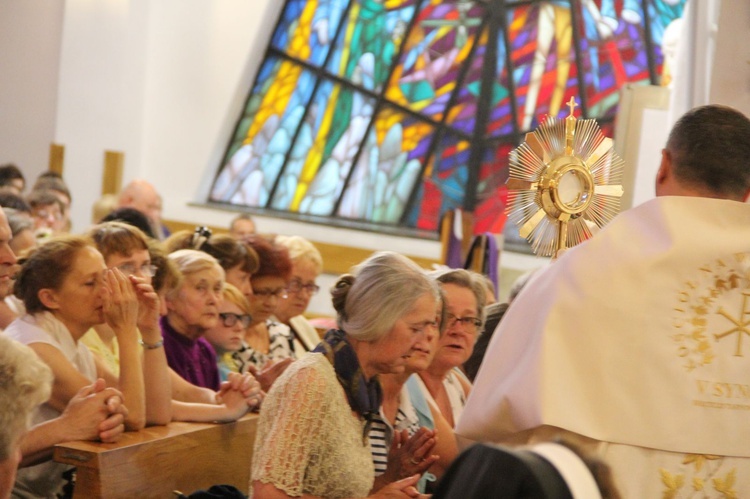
30	35
730	78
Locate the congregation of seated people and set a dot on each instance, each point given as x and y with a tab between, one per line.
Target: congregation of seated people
120	325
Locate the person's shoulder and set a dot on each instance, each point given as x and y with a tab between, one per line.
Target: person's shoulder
312	372
26	331
276	329
314	362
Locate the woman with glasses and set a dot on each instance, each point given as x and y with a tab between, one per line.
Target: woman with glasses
227	335
125	248
268	348
443	383
307	264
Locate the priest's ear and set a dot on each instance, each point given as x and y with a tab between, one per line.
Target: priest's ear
48	298
661	183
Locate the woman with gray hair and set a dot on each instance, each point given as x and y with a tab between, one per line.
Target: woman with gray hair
312	434
193	309
307	264
94	413
443	383
25	383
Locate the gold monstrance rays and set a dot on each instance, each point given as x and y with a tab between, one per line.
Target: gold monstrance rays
563	179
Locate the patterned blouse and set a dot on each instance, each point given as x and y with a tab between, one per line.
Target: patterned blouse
281	347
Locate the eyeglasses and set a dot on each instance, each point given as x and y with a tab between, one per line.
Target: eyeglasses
268	293
470	324
295	286
146	269
229	319
48	215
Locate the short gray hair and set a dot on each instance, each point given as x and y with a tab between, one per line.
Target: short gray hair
190	261
465	279
300	248
381	290
25	382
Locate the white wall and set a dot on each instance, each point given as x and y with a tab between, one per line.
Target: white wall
30	34
730	81
158	81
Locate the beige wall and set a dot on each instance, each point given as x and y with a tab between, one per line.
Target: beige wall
730	82
30	37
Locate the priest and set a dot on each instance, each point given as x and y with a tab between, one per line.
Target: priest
635	343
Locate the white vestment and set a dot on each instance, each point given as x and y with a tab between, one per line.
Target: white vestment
635	340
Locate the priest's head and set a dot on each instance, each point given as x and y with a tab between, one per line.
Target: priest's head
707	155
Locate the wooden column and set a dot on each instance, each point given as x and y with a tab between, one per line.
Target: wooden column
56	158
112	178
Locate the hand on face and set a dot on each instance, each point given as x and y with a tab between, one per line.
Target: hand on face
148	303
120	303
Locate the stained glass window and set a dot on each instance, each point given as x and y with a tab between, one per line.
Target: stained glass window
387	113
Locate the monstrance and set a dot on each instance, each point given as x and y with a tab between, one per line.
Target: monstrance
564	179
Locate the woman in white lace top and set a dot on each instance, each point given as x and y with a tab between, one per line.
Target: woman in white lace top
312	434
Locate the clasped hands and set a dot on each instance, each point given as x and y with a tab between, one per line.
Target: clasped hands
242	392
95	412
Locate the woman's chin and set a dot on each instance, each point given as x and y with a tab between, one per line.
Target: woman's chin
397	368
416	366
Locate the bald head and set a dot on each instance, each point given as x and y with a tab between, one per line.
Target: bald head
142	196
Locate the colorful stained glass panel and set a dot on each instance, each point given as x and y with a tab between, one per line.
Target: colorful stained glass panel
492	194
662	14
388	168
343	117
443	184
332	136
307	27
264	134
542	54
370	39
438	44
612	53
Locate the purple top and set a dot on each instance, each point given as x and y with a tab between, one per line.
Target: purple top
194	360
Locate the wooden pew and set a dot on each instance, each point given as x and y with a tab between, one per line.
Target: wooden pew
158	460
